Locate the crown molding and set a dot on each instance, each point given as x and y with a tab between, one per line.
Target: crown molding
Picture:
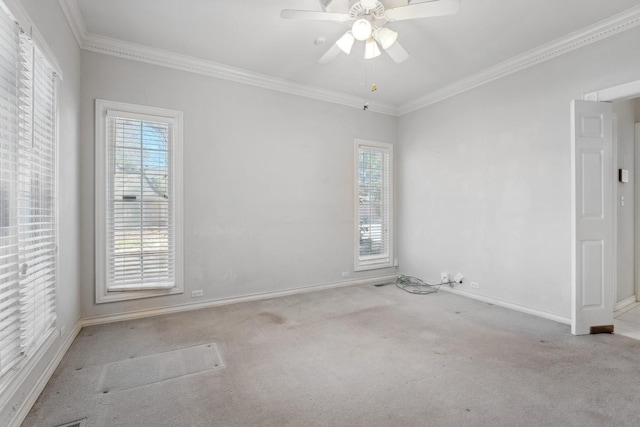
123	49
74	17
92	42
164	58
613	25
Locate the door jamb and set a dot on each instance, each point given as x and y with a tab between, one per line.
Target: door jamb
616	201
636	196
615	93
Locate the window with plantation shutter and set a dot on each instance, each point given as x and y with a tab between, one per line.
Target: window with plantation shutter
28	211
139	201
10	343
374	203
36	196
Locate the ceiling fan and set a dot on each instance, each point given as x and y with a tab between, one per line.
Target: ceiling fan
367	20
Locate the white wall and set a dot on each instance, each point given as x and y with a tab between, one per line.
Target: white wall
484	178
51	23
268	183
625	119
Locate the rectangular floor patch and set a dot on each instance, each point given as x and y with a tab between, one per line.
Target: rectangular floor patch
145	370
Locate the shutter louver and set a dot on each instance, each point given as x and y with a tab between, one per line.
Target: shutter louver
36	196
10	349
140	219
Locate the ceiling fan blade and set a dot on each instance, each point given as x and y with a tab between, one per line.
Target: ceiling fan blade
423	10
311	15
331	54
397	53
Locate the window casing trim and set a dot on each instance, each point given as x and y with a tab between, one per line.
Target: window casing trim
103	108
363	263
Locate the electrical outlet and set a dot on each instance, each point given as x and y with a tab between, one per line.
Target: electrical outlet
196	294
444	278
345	274
475	285
458	278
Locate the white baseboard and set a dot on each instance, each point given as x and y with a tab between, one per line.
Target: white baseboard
138	314
510	305
625	302
30	399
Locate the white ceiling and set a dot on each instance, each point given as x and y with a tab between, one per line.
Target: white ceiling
249	34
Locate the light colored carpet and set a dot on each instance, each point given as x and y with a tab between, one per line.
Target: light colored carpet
357	356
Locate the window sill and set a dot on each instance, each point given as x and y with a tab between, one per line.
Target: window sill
373	266
115	296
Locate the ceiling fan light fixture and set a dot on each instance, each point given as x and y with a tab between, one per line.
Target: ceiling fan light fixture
386	37
361	29
345	43
371	49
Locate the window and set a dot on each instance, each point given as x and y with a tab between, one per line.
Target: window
374	202
28	211
138	201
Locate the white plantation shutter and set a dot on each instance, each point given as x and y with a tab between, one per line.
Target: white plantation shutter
373	204
10	345
27	195
36	196
140	220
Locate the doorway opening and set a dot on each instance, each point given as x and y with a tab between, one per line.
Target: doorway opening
627	140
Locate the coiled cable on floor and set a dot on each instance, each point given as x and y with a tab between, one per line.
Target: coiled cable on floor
413	285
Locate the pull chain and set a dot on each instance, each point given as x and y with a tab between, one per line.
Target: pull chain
369	83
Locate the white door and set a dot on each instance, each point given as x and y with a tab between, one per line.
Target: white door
592	217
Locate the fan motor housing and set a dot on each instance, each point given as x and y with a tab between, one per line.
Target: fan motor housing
345	6
358	11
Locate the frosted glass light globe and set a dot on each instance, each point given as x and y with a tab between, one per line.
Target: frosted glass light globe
361	29
371	49
345	43
386	37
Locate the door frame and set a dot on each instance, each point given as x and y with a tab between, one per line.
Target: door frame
621	92
616	201
636	196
